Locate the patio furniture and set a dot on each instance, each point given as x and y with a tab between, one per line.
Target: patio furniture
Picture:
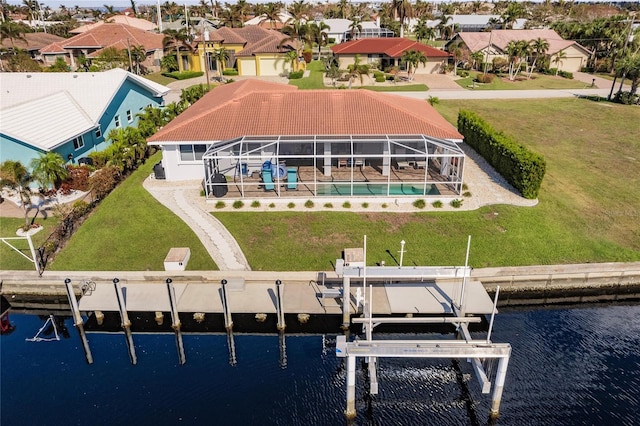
268	181
402	165
292	179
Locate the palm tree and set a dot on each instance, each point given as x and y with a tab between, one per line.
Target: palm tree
476	58
271	13
514	11
402	10
138	55
13	31
357	70
299	36
221	56
355	27
299	9
175	39
517	50
446	30
422	31
14	175
413	58
318	35
539	47
558	59
343	6
49	169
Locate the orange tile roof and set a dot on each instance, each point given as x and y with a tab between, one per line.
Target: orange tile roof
252	107
106	35
393	47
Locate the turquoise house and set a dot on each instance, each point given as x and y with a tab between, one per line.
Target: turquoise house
69	113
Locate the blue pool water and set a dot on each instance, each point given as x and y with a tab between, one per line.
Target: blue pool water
376	189
569	366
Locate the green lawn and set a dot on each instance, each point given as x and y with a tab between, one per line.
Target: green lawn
588	210
536	82
131	231
10	259
159	78
315	79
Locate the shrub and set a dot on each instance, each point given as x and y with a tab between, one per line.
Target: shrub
380	78
80	208
220	205
291	205
521	167
255	204
465	187
433	100
626	98
99	158
346	205
462	73
385	205
238	204
294	75
420	204
272	205
456	203
328	205
485	78
466	194
309	204
437	204
184	75
566	74
78	177
365	205
103	181
230	71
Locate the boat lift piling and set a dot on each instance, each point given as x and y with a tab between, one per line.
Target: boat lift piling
280	304
228	322
175	321
77	320
126	323
231	343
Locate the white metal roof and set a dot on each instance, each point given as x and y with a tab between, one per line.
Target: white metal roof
48	109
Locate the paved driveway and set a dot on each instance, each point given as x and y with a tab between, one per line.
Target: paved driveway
437	81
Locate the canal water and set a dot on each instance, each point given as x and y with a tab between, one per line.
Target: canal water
569	366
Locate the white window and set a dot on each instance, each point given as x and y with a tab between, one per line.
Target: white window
129	116
78	143
192	152
98	133
117	120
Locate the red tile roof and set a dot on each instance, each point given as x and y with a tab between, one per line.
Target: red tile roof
253	107
393	47
107	35
254	39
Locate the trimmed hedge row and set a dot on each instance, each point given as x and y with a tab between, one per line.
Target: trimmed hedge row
521	167
183	75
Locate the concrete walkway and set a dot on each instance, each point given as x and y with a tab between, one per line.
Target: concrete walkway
183	199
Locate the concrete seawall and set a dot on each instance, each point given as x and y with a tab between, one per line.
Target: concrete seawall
525	285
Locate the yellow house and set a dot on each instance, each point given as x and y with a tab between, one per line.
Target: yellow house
253	51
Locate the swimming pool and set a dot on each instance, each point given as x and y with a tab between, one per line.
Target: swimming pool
376	189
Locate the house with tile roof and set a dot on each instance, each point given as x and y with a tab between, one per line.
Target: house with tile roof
108	35
253	133
141	24
388	52
32	43
69	113
253	51
494	44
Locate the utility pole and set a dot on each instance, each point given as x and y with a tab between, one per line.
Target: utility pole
159	17
129	52
486	56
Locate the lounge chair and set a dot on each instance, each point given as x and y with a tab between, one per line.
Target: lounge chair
292	179
267	181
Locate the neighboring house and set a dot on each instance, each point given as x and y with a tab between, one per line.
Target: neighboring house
494	44
253	51
197	25
262	21
388	52
317	135
69	113
469	23
32	43
339	30
141	24
92	42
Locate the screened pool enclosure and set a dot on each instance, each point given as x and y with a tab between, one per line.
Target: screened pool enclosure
333	166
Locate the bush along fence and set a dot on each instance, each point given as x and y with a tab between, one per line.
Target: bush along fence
521	167
127	151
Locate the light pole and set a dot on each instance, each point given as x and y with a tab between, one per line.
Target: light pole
401	251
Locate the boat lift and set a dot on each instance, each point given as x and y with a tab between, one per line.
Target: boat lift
474	350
